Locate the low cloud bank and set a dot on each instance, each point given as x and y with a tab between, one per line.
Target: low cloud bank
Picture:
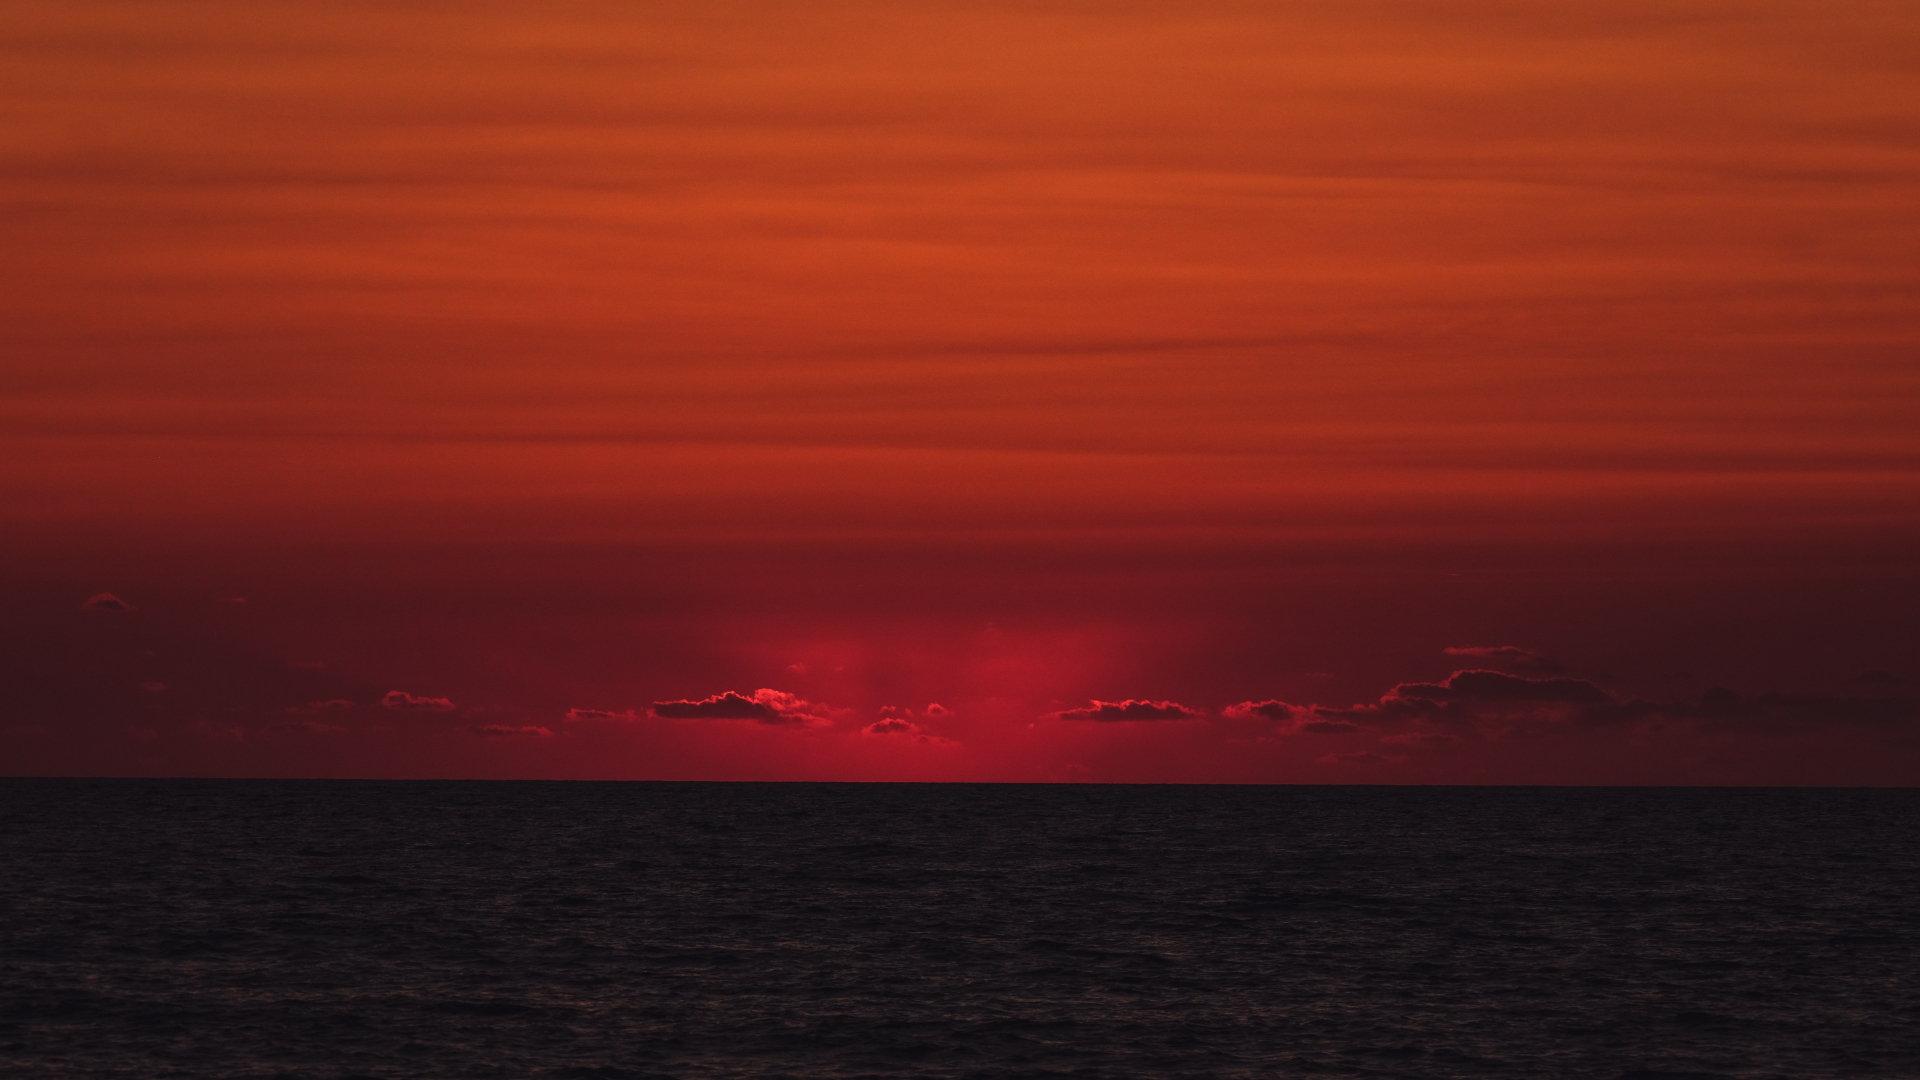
1490	703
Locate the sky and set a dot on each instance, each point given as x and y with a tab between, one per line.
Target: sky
1372	393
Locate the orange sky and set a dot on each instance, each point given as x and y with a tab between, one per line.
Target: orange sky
1009	356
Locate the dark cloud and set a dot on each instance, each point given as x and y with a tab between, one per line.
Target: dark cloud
405	702
106	601
1300	718
1111	711
765	706
891	726
1511	657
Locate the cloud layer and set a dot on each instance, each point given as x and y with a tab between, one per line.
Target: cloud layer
1130	709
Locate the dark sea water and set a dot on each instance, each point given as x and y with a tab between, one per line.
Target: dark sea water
341	929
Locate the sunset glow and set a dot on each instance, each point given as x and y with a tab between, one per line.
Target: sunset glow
1366	393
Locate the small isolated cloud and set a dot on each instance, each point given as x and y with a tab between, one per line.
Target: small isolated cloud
402	701
766	706
1130	709
579	715
153	687
934	708
1511	657
891	726
509	731
106	601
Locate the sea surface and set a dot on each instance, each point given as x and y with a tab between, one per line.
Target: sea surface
190	928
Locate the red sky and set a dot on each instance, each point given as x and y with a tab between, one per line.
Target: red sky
1006	357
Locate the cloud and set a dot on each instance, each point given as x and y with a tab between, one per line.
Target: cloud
766	706
1512	657
1489	703
1278	711
577	715
1305	719
1886	678
1114	711
106	601
506	731
1490	686
933	711
897	723
405	702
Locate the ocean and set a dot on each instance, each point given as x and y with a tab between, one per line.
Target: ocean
335	929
